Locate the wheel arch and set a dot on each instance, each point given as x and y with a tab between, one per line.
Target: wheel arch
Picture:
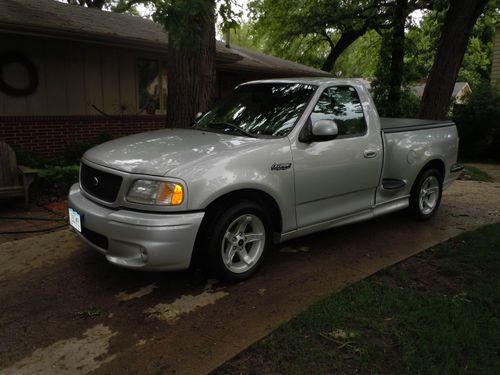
437	164
253	195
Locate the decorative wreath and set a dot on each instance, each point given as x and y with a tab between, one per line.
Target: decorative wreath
18	58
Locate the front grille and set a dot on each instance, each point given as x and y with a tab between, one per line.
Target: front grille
102	185
96	238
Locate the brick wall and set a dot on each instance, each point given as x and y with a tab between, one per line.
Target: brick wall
52	136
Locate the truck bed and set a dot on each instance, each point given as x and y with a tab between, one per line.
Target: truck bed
395	125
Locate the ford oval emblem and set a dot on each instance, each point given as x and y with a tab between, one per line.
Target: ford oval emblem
95	181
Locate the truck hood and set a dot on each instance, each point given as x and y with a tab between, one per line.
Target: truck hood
158	152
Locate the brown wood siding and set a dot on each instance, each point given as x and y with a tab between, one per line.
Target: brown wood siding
13	104
74	78
37	102
55	74
128	87
495	66
78	79
110	81
93	80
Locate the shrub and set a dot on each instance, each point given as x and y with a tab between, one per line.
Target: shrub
478	123
34	160
57	174
56	181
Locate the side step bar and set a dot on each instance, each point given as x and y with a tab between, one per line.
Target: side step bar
393	184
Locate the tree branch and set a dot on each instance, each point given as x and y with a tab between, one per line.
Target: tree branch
328	39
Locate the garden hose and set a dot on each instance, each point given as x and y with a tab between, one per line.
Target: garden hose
35	230
32	218
65	219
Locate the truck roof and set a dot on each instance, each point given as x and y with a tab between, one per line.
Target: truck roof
318	81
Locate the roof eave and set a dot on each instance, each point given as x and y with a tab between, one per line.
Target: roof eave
273	71
83	37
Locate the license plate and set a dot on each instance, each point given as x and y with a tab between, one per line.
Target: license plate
75	220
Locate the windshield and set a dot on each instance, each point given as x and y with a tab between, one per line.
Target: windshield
259	109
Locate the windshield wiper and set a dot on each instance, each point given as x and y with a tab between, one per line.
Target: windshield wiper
234	127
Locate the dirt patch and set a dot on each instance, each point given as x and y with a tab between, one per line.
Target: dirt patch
58	207
170	312
472	194
71	356
124	296
26	255
287	249
16	223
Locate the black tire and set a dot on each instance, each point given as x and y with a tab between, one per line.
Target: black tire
216	223
417	210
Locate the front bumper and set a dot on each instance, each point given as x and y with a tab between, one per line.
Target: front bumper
144	241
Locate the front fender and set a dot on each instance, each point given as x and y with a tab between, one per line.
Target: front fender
247	169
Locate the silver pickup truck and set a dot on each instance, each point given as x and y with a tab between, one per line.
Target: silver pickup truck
274	160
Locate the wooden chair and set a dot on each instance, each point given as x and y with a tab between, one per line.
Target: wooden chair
14	179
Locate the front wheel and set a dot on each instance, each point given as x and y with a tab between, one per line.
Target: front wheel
238	240
426	194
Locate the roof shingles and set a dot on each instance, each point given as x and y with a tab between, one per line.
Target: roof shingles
59	20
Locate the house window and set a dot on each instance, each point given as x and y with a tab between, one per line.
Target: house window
152	84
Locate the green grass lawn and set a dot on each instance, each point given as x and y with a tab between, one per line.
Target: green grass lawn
471	173
435	313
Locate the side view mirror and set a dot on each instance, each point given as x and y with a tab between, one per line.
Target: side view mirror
324	130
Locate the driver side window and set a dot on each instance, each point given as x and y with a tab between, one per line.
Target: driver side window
342	105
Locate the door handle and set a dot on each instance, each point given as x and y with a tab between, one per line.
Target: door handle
370	154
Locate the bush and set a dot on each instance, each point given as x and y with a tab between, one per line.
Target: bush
34	160
478	123
57	174
56	181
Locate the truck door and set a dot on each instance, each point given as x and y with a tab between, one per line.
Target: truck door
338	177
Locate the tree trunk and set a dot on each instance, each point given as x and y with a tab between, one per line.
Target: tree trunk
459	21
346	39
397	57
191	73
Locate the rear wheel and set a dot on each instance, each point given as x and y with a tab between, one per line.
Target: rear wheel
426	194
238	238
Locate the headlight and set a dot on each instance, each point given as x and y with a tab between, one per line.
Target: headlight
156	192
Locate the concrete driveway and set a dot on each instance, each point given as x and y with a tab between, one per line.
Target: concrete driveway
65	310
